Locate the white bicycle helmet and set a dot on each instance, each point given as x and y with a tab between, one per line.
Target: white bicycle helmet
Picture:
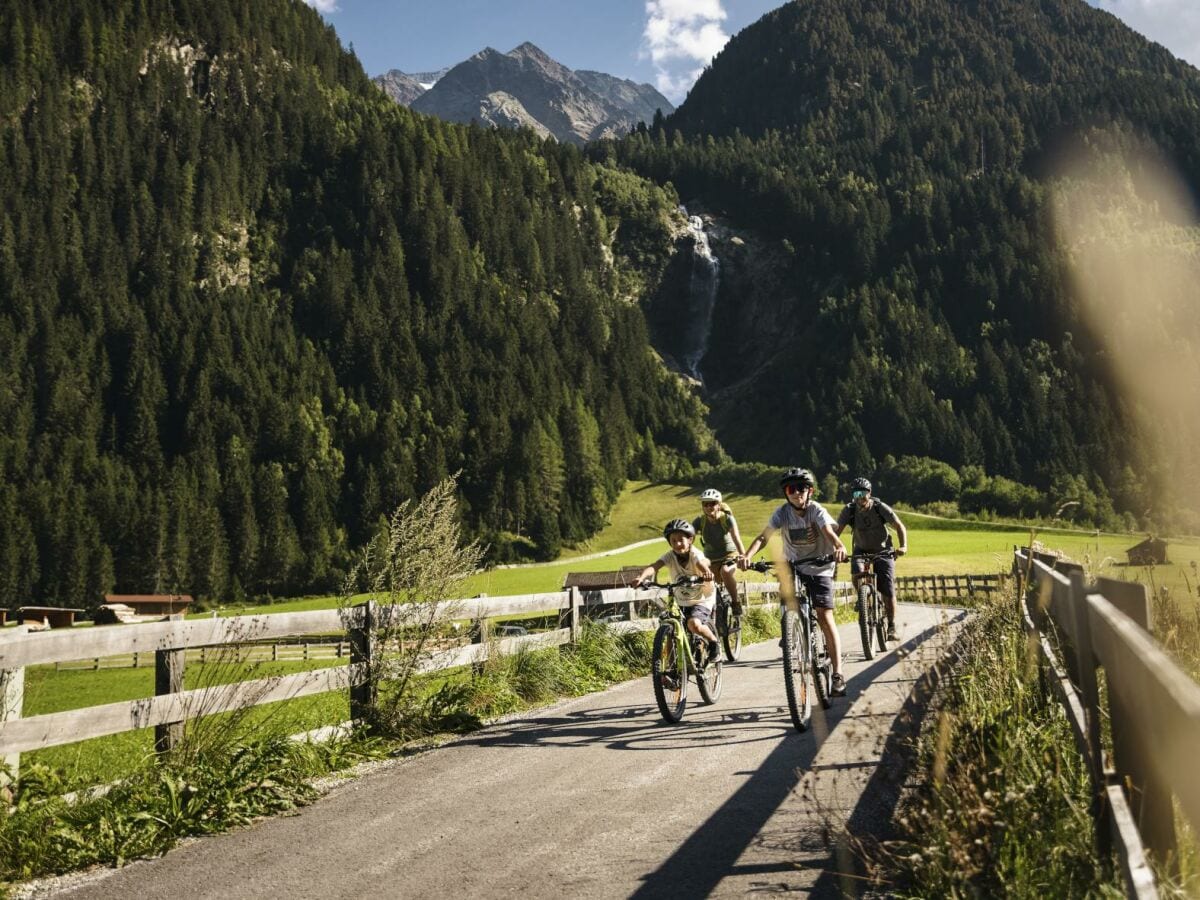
711	495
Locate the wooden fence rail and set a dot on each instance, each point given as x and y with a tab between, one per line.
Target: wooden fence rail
949	587
341	634
1153	709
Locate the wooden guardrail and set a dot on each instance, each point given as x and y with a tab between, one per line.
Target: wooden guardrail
1153	709
173	644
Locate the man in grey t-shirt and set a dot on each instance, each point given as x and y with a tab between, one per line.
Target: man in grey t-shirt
870	518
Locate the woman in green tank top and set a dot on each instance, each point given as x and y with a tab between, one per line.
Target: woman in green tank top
722	543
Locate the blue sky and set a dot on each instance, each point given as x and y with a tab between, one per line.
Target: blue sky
663	42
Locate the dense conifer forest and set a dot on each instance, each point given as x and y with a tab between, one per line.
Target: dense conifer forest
903	156
248	304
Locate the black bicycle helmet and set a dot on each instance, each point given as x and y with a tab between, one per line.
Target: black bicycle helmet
796	475
679	525
860	484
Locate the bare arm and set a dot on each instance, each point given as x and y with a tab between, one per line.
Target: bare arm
650	571
902	533
839	549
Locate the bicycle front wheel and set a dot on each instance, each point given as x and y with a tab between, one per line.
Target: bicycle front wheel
731	631
865	611
669	673
822	667
795	670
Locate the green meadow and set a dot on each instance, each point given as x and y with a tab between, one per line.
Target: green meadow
937	546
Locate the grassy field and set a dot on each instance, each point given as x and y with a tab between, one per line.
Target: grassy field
937	546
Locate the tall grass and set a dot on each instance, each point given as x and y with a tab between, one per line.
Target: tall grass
1005	811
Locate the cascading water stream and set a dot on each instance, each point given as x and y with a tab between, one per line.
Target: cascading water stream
702	297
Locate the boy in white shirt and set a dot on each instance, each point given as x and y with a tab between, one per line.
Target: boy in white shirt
696	602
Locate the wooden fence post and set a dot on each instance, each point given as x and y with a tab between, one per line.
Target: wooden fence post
12	698
168	679
362	649
1084	660
1149	798
574	598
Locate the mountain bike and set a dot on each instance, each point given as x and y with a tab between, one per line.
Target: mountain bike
729	623
805	656
678	655
871	625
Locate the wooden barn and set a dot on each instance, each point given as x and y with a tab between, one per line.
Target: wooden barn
1150	552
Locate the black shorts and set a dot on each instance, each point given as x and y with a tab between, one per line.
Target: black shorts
699	612
885	573
820	589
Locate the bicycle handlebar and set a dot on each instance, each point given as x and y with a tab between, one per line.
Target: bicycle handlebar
684	581
886	553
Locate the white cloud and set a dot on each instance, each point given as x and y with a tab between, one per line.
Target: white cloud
1173	23
325	6
680	34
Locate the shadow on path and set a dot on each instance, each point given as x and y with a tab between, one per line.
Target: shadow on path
712	852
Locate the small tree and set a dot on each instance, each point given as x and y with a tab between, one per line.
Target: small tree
409	570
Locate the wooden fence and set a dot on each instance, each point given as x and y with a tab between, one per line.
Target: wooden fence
1153	709
347	634
172	644
946	588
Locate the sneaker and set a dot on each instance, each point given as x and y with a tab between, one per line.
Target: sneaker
839	685
714	650
891	631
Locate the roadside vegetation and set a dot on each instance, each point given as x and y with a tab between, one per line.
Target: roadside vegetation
1004	811
1003	805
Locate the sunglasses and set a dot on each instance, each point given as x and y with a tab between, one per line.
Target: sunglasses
707	503
859	494
794	489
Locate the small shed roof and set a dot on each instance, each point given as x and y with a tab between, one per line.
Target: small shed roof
626	576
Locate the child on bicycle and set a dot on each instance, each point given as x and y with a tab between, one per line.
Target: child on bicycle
721	541
869	518
696	602
808	530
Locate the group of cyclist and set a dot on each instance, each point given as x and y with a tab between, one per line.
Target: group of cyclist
807	531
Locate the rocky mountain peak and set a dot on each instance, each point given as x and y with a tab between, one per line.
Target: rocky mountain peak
527	87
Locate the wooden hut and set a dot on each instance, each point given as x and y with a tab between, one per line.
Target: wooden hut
1150	552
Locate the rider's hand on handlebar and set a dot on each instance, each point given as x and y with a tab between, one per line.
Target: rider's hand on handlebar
839	554
900	551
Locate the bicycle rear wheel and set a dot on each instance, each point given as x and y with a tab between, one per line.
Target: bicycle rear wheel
710	681
669	673
866	609
795	670
880	625
730	626
822	667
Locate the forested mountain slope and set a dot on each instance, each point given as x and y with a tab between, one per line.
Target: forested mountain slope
898	160
247	304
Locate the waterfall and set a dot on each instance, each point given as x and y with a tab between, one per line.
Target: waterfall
702	296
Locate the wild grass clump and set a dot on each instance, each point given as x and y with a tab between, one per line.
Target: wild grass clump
1005	811
44	833
508	683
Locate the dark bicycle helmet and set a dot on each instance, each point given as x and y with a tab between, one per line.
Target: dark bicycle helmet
796	475
860	484
679	525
